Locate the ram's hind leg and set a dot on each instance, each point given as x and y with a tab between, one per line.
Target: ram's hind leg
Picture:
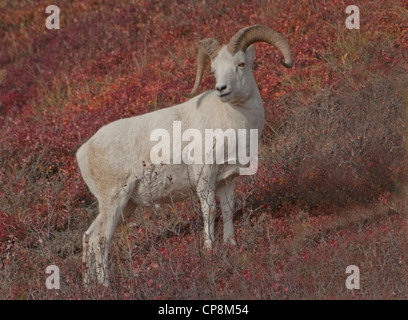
112	210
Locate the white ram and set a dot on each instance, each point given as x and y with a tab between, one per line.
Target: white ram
116	162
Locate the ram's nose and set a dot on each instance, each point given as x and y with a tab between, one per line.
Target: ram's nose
222	90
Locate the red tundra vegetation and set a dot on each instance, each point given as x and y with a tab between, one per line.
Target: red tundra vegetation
331	189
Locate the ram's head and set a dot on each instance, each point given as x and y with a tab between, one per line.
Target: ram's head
232	63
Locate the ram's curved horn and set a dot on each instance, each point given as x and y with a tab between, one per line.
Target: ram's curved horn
247	36
207	48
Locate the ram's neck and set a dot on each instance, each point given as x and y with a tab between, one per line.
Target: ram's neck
249	114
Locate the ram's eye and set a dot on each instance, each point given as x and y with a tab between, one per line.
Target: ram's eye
242	64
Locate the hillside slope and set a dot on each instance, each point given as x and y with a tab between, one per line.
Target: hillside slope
330	190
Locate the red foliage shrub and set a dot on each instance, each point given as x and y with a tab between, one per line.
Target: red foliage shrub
334	138
10	228
347	146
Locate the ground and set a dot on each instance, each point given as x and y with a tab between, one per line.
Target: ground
330	191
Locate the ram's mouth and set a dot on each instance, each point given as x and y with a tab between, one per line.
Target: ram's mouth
224	94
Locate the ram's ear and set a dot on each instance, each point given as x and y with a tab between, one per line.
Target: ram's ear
250	55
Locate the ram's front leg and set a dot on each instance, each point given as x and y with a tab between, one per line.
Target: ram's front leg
225	193
208	208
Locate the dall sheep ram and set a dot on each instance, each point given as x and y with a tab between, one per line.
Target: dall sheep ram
117	166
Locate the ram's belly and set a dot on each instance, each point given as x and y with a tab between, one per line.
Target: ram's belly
163	184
